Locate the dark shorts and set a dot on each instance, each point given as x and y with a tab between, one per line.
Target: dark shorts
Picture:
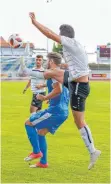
37	103
78	91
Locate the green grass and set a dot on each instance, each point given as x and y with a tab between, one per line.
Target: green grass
67	156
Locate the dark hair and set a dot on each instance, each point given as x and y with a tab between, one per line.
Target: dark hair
67	30
39	56
56	57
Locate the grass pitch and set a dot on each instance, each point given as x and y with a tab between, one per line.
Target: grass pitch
67	156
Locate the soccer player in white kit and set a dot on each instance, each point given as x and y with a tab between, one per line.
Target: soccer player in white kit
77	82
35	84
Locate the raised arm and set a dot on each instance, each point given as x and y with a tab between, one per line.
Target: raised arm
46	31
57	74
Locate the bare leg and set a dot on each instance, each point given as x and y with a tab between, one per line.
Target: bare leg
33	109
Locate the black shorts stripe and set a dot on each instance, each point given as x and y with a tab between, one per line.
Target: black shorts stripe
88	134
38	71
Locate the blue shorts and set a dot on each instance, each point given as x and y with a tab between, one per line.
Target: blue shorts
47	119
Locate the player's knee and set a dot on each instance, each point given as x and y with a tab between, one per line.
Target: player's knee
28	123
43	132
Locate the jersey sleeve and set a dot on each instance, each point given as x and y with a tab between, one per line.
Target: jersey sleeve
68	42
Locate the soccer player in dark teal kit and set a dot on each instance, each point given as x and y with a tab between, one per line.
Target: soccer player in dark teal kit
49	119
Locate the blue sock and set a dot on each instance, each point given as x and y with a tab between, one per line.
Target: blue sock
43	148
33	138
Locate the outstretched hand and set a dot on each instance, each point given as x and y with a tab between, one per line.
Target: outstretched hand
32	16
39	86
40	97
24	91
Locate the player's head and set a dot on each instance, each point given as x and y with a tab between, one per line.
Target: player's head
39	60
67	30
54	59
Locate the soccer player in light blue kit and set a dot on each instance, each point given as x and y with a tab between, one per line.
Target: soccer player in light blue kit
49	119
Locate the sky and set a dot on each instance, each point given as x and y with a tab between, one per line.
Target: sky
91	20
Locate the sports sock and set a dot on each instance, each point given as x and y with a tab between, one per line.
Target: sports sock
43	148
33	138
87	138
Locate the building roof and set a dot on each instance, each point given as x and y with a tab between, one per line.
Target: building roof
3	42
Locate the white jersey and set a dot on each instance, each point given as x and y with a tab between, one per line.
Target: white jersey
76	58
35	81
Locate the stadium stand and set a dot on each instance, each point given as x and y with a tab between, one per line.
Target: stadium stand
16	68
7	67
94	66
9	61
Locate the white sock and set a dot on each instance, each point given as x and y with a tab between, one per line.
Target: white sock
87	138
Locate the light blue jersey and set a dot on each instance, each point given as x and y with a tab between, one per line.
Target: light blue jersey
61	101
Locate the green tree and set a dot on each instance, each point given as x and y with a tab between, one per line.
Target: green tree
60	48
108	43
54	47
57	48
